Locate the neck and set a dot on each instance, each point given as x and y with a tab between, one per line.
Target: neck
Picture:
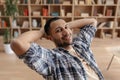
68	48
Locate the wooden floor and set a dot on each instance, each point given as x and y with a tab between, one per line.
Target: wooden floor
11	68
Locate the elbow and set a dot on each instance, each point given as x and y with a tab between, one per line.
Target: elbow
14	43
19	46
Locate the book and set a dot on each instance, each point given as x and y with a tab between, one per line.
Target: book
88	2
44	1
36	13
66	2
25	1
54	14
69	14
37	1
0	23
103	1
109	2
95	12
85	14
109	12
56	1
81	2
93	2
77	13
100	15
49	1
99	2
76	2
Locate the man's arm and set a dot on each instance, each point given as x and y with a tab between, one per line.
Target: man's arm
21	44
82	22
87	33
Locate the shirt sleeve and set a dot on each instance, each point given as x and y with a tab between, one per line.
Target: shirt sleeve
86	35
39	59
84	38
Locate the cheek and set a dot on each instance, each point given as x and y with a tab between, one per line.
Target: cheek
71	31
56	36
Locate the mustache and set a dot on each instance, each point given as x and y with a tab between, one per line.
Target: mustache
66	35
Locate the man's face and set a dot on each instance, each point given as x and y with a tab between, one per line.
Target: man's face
60	33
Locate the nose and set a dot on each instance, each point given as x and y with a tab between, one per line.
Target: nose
65	31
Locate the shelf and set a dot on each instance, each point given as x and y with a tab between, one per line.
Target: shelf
4	27
105	28
117	28
68	10
22	4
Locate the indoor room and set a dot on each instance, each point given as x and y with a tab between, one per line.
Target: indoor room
102	42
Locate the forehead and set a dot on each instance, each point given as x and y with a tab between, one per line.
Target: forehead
58	22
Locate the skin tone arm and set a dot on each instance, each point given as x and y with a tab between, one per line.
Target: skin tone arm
81	22
21	44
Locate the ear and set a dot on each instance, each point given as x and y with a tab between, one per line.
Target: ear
49	37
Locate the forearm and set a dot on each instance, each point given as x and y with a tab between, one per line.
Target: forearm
21	44
82	22
31	36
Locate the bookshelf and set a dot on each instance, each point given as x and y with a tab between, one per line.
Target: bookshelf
107	13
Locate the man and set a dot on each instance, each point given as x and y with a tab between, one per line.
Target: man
72	58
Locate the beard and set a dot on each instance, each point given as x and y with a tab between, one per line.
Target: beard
62	43
65	44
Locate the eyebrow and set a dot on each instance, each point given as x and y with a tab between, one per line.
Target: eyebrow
66	24
58	28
